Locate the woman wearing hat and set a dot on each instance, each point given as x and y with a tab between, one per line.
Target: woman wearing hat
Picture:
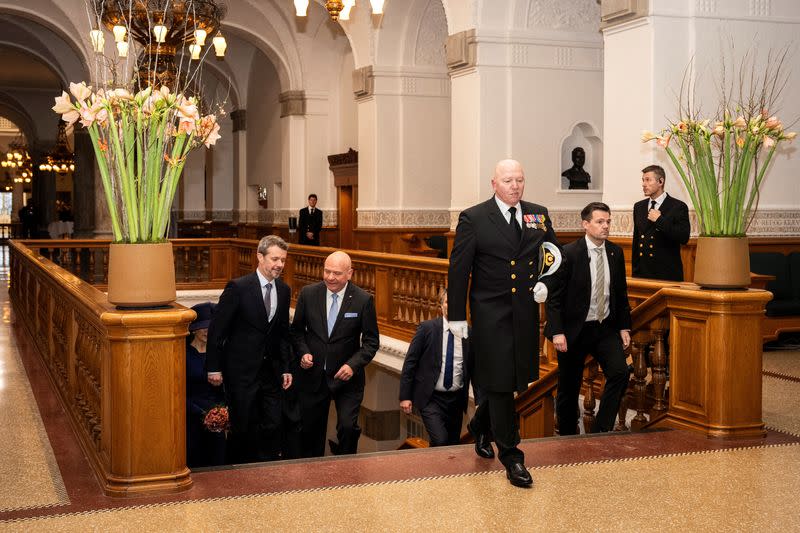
203	447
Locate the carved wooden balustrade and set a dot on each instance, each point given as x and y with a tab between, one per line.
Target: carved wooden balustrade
120	374
715	352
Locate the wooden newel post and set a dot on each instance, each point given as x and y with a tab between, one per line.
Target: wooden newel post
144	405
715	361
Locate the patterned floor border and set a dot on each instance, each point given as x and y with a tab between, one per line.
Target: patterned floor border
780	375
388	482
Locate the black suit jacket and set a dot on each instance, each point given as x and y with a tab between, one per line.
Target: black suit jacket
240	336
354	339
568	306
505	333
656	249
423	364
309	222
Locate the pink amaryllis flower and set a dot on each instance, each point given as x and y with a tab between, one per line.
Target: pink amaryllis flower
208	130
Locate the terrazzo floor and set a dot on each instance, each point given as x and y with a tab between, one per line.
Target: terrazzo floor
655	481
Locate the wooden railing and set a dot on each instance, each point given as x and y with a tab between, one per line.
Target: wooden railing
714	363
710	329
120	374
405	288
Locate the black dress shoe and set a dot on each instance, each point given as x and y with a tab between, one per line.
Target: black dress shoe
519	476
483	446
334	447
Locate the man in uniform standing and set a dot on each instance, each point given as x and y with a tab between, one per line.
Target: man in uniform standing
660	227
497	243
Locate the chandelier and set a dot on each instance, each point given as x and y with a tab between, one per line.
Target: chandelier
338	9
61	159
160	28
17	154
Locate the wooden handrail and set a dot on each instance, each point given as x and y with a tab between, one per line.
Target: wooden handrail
106	366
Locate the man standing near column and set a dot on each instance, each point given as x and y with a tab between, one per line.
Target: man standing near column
335	335
250	349
590	315
660	227
497	243
310	223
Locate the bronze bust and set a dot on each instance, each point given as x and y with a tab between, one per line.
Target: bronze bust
578	178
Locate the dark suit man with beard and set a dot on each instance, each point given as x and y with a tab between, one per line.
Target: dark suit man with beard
590	314
497	243
250	349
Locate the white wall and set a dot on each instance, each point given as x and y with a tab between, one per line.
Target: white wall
645	61
263	124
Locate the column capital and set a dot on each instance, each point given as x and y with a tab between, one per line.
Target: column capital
239	120
363	82
462	51
292	103
616	12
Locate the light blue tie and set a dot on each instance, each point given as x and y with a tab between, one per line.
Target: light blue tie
333	312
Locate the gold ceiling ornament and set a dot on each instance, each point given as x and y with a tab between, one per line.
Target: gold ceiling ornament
338	9
17	153
61	160
160	28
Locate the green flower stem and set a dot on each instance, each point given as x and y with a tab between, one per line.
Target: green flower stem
107	188
128	198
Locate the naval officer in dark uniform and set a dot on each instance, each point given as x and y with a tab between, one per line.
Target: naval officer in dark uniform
497	242
660	227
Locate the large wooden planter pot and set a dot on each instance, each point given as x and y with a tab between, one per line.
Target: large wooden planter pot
141	275
722	263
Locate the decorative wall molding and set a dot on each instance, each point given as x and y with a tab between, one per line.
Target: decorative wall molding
293	103
403	218
615	12
573	15
760	8
766	223
280	217
461	51
706	7
222	215
363	82
239	120
432	35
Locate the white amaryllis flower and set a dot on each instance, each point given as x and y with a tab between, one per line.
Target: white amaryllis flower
80	91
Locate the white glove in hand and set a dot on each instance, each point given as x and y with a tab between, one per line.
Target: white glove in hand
539	292
458	328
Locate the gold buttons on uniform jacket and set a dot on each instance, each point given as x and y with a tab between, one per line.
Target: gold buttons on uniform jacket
651	246
530	263
513	289
513	263
513	276
531	276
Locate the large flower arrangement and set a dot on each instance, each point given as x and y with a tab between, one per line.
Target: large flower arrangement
141	142
722	161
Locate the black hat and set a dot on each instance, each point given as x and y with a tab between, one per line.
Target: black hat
204	312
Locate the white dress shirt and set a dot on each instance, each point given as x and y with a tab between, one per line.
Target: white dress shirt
504	209
329	300
659	201
273	300
590	247
458	361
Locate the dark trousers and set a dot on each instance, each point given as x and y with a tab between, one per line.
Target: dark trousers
497	414
442	417
314	408
605	344
255	415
